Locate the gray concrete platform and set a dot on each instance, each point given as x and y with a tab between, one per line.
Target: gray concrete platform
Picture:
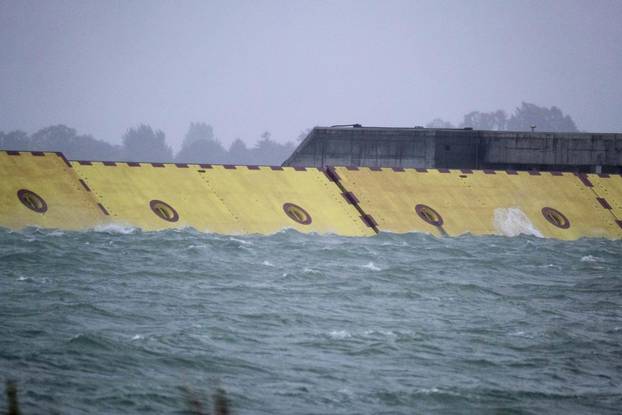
459	149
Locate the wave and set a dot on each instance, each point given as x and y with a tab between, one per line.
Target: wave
514	222
116	228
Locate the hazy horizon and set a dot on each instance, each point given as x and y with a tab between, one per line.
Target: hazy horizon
247	67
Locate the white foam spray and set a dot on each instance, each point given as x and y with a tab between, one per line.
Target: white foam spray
115	228
370	265
513	222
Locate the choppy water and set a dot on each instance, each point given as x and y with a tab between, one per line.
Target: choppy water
116	322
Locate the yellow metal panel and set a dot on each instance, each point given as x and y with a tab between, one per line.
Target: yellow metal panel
609	189
566	193
233	200
239	199
127	189
68	204
257	196
478	202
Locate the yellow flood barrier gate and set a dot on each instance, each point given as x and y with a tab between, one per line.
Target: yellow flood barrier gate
222	199
42	189
46	190
455	202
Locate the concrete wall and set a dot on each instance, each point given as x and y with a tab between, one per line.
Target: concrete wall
371	147
583	150
456	148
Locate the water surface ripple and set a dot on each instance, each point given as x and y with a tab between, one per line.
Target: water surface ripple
123	321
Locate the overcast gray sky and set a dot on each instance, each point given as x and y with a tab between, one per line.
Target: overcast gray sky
250	66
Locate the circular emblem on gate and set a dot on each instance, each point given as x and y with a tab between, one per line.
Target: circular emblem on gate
164	210
429	215
555	217
32	200
297	214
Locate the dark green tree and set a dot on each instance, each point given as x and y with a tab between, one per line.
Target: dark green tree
543	118
14	140
269	152
239	153
198	131
495	120
201	146
74	146
144	144
54	138
439	123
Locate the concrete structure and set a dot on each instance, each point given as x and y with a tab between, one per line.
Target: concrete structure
459	149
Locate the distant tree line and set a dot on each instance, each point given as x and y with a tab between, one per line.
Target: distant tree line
522	119
143	143
200	144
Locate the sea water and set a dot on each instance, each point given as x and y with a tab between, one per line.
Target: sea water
119	321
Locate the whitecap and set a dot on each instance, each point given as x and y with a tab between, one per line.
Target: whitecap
115	228
267	263
590	258
520	333
428	391
195	247
554	266
435	390
242	241
513	222
370	265
396	243
138	337
347	392
386	333
340	334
